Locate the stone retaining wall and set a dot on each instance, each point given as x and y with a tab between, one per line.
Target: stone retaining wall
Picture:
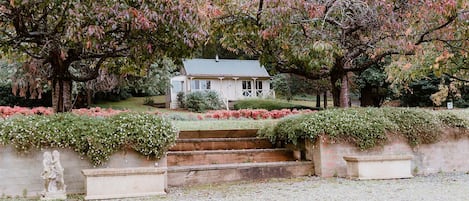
447	155
21	173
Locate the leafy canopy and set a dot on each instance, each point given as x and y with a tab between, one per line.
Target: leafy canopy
73	39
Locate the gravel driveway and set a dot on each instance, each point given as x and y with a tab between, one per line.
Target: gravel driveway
445	187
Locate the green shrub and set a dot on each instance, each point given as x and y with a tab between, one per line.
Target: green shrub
268	105
94	137
148	101
367	127
200	101
180	99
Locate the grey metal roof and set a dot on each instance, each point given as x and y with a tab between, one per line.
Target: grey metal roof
224	68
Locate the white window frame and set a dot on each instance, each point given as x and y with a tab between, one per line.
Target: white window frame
201	85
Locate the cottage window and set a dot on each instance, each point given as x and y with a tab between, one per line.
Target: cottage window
177	86
200	85
247	88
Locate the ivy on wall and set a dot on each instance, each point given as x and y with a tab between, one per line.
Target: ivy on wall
97	138
368	127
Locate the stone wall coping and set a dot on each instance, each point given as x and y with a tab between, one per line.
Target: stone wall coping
99	172
377	158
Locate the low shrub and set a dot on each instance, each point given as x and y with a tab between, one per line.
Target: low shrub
253	114
269	104
148	101
180	99
94	137
6	111
367	127
200	101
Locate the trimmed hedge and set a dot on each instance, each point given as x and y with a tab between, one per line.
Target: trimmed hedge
94	137
269	105
367	127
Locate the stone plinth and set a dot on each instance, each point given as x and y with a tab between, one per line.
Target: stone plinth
54	196
378	166
124	182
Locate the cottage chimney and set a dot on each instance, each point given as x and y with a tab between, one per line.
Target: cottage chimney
216	58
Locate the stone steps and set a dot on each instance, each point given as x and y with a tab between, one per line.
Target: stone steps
207	157
204	157
208	174
221	143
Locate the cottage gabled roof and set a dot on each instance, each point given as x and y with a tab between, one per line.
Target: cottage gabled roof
224	68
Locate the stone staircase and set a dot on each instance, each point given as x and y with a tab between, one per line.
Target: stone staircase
204	157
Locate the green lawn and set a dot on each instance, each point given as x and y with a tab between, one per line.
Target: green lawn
133	104
136	104
223	124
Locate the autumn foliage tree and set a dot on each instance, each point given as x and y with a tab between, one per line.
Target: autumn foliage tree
328	38
62	41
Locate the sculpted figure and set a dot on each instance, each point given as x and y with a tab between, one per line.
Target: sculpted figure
58	171
52	173
47	173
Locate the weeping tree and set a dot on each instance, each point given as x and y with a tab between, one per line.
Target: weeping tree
61	41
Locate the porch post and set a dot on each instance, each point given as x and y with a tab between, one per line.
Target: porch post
190	84
254	91
236	87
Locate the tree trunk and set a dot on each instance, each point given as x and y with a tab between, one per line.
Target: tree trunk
318	100
325	99
61	82
335	91
336	73
89	97
62	95
344	92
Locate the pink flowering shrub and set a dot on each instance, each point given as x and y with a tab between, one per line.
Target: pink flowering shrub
256	114
253	114
6	111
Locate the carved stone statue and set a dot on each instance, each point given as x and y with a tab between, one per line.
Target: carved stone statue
53	175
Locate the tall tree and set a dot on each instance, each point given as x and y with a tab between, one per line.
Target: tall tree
326	38
71	40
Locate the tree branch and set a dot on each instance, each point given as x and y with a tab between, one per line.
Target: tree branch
456	78
378	58
63	16
94	74
424	34
112	54
259	12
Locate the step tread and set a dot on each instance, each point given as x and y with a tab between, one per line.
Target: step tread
218	139
229	133
229	151
223	130
236	166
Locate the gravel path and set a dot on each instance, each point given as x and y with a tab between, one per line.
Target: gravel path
445	187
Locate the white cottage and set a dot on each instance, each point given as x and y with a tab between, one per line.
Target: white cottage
231	79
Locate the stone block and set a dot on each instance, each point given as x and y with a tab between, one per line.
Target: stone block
110	183
378	166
